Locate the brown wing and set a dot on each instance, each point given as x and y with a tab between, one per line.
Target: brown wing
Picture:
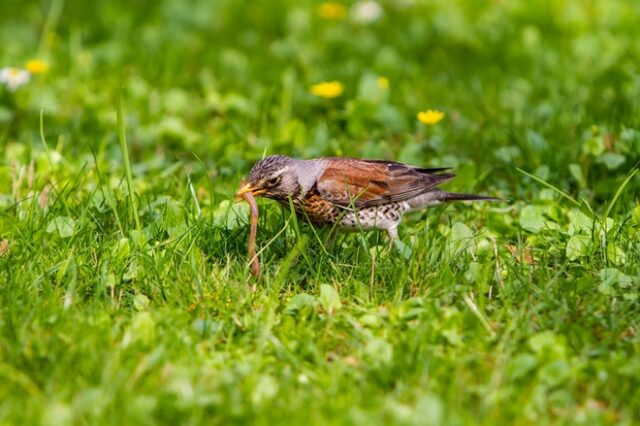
365	183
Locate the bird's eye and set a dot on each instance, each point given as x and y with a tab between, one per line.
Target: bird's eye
273	181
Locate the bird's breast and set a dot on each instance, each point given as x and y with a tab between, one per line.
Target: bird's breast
313	208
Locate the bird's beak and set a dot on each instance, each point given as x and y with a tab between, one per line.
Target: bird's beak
249	188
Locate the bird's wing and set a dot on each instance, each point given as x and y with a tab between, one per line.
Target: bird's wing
365	183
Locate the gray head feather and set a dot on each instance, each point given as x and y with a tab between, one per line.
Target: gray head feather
269	166
277	176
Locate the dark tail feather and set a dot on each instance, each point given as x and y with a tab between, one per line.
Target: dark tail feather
431	170
452	196
437	196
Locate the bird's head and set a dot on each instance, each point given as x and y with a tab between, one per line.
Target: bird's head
273	177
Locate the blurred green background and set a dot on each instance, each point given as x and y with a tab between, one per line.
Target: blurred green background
524	84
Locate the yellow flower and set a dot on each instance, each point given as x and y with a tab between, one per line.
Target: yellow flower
328	89
332	10
37	66
383	82
430	116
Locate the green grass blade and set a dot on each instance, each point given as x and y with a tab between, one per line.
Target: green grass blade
44	140
122	139
548	185
621	188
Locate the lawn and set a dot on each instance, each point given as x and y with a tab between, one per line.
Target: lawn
125	290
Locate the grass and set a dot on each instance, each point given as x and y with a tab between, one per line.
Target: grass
125	293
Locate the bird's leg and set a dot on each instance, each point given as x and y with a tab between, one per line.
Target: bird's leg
392	232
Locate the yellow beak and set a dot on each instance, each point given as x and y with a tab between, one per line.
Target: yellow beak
249	188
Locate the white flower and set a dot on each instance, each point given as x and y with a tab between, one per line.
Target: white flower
14	77
366	11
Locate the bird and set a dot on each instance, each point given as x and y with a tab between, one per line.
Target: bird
351	194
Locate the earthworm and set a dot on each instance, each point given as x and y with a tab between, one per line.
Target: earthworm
253	232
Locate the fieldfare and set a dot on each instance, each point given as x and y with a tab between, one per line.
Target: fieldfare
350	193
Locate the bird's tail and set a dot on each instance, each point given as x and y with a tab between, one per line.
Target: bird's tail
453	196
438	196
